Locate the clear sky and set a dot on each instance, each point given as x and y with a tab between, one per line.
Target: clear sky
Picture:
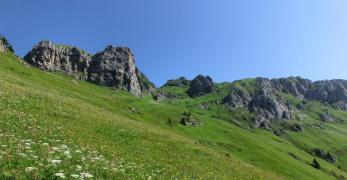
226	39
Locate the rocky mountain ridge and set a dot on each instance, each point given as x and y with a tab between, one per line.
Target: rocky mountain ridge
265	97
112	67
115	67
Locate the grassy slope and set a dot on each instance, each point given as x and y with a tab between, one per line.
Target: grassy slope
50	107
38	107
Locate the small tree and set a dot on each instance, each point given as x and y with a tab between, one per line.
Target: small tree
315	164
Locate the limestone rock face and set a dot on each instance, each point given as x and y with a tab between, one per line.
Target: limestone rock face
331	92
50	57
112	67
237	98
267	103
296	86
115	67
201	85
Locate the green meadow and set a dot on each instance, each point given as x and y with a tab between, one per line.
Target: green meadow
53	126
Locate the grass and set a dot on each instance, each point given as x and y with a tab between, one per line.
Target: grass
53	125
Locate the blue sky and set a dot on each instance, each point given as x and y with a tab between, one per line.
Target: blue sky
226	39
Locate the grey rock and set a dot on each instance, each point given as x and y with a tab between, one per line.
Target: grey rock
200	86
115	67
237	98
326	117
261	122
324	155
342	105
267	103
2	46
189	119
146	85
296	86
296	127
204	106
66	59
329	91
5	46
180	82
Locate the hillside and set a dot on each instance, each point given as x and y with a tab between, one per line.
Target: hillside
56	125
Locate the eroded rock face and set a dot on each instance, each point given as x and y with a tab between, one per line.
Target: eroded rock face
267	103
115	67
201	85
112	67
237	98
50	57
332	91
296	86
145	84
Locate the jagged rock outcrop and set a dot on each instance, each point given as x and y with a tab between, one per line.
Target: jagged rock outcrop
70	60
333	92
265	100
237	98
326	117
5	46
268	104
112	67
180	82
115	67
201	85
296	86
324	155
146	85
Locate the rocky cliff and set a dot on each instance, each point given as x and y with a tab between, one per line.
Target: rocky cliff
200	86
5	46
115	67
50	57
267	100
112	67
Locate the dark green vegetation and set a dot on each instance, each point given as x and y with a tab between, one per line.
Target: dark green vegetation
54	124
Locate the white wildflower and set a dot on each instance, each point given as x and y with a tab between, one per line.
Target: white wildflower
86	175
22	155
67	153
76	176
55	161
35	157
29	169
78	167
61	175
